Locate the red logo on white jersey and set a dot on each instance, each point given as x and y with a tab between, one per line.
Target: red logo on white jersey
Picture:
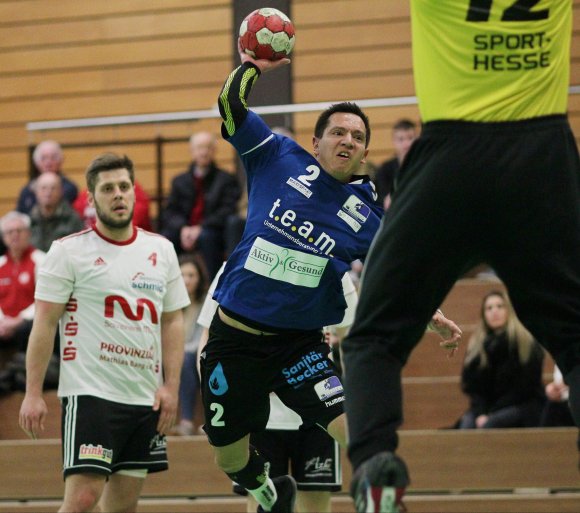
100	261
72	305
71	329
69	353
126	307
153	258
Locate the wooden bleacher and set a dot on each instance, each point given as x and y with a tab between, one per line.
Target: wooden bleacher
497	470
533	470
431	380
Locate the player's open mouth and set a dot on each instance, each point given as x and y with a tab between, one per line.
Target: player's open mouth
344	155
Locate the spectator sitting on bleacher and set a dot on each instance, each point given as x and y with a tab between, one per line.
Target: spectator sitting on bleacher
52	217
141	218
199	203
194	276
502	373
48	158
18	268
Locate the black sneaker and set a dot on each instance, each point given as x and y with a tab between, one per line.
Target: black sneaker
378	485
286	490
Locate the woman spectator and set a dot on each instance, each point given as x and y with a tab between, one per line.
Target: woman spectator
196	282
502	372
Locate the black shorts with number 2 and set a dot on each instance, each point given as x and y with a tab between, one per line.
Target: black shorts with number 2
239	370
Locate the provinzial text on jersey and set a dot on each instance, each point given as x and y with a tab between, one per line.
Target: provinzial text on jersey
510	52
120	349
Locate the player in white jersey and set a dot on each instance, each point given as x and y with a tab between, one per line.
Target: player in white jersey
117	293
312	455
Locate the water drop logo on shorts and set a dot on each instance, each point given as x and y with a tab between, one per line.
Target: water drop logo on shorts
217	381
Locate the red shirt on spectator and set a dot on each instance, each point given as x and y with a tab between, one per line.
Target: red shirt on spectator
17	282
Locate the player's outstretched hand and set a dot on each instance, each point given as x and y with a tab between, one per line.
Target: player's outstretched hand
32	414
166	404
447	330
263	65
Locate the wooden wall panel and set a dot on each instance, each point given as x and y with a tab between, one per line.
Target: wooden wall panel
96	81
153	25
114	55
31	11
176	98
71	59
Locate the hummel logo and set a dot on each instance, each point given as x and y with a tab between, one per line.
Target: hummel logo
100	261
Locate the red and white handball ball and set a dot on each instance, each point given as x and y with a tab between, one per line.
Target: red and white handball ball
267	33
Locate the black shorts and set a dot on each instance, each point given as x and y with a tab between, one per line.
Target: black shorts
507	194
104	437
239	370
310	455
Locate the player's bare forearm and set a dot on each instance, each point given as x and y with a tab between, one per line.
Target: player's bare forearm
41	344
172	346
33	410
172	342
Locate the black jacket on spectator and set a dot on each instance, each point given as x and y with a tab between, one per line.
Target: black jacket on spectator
221	193
504	381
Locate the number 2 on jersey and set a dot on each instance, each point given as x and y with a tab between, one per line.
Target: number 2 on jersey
314	172
521	10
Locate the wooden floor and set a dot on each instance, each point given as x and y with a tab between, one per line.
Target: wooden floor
533	502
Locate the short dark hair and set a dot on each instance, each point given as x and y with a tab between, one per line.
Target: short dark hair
404	124
107	162
348	107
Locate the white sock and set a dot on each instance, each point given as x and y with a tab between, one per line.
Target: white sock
265	495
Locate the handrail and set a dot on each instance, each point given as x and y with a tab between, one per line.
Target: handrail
193	115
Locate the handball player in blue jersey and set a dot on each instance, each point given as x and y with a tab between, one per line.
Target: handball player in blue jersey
308	218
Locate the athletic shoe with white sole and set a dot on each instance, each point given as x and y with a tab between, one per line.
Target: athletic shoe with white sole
379	484
286	491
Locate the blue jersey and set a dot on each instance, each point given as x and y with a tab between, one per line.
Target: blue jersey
303	230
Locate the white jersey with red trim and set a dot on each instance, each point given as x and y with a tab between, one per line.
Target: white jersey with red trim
110	334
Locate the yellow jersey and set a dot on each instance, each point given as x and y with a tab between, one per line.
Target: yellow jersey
491	60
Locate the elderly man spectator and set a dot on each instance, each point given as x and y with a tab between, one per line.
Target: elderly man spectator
52	217
18	267
48	158
200	201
